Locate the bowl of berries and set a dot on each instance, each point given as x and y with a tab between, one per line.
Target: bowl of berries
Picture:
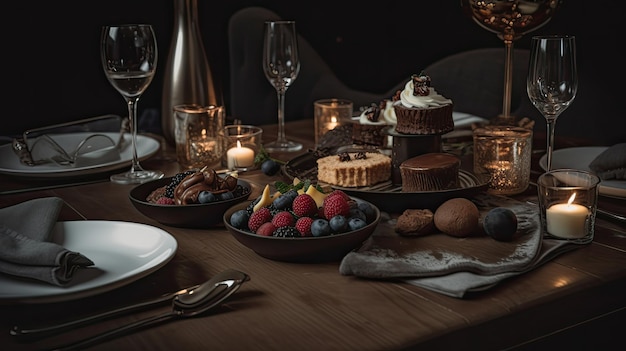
302	225
190	199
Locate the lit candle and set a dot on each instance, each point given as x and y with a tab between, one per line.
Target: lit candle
240	156
567	220
333	123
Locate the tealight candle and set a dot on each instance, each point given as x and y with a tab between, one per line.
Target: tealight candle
240	156
567	220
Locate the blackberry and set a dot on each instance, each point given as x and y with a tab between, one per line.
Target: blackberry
169	189
240	190
287	232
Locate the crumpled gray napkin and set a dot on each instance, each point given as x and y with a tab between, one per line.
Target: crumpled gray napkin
25	247
456	266
611	163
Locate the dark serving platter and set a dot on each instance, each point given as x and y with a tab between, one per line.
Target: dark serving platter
184	216
387	196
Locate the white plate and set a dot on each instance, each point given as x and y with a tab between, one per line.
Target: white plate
122	252
10	164
580	158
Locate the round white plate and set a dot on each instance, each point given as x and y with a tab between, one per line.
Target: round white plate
122	252
10	164
580	158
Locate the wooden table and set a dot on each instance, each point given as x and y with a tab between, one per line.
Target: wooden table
576	300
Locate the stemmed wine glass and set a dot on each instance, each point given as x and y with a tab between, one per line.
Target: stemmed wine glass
552	80
281	66
510	20
129	58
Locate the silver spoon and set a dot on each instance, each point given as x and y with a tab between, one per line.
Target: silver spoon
197	301
37	333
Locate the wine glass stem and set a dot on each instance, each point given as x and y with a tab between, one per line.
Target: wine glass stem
550	141
132	119
508	78
281	116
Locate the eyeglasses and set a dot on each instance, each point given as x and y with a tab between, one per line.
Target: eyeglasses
73	143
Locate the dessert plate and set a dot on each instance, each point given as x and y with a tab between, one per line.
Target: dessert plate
386	196
580	158
11	165
122	252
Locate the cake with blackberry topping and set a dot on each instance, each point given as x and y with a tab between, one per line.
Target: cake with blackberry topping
433	171
420	110
369	128
354	169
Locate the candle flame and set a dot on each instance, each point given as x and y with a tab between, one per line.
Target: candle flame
333	119
203	132
238	144
571	199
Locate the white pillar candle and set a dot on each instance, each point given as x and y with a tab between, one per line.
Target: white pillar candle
567	220
240	156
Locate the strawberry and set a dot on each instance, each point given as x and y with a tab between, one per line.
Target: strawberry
266	229
336	205
303	224
259	217
304	206
283	219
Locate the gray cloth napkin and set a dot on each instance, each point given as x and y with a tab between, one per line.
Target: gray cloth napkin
611	163
455	266
25	247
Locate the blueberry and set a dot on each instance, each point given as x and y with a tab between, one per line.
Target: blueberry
500	223
320	227
356	223
270	167
204	197
357	213
368	209
339	224
283	201
291	193
227	195
239	219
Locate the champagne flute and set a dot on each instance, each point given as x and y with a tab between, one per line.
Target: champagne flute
129	58
552	80
281	66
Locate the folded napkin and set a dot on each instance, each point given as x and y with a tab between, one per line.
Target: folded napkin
26	249
455	266
611	163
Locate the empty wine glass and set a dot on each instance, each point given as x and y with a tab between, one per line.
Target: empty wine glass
129	58
281	66
552	80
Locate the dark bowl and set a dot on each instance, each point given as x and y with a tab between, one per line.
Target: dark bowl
185	216
305	249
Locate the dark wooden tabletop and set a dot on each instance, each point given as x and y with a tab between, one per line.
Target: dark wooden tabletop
577	300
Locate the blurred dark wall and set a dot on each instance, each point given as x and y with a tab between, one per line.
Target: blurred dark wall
53	74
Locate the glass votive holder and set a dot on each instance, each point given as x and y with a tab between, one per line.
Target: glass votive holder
328	114
242	143
502	156
567	204
198	131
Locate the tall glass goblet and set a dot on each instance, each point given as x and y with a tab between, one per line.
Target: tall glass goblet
281	66
510	20
129	58
552	80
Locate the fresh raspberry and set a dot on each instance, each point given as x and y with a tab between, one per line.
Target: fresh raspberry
266	229
303	224
259	217
164	200
304	205
283	219
336	205
340	193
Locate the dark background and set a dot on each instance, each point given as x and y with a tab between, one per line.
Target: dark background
53	72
